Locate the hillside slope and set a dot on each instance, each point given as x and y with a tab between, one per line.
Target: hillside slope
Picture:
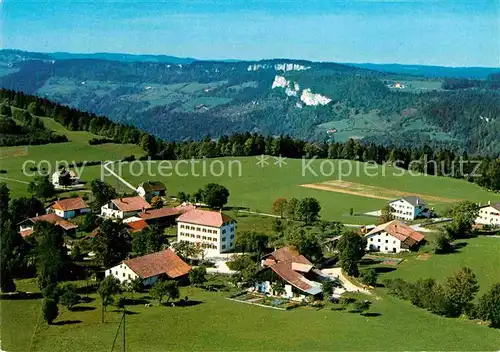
316	101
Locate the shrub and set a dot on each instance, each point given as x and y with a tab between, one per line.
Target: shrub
50	310
369	277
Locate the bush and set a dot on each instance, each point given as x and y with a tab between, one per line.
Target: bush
68	296
369	277
50	310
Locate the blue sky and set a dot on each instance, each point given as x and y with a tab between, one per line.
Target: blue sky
431	32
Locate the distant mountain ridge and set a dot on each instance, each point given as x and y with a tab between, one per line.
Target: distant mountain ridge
416	70
308	100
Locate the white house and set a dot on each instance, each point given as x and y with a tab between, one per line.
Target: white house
392	237
489	215
150	189
212	230
295	272
409	208
69	208
122	208
149	268
58	178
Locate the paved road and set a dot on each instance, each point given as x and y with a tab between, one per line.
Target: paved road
106	167
13	180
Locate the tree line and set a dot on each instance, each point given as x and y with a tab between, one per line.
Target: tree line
439	162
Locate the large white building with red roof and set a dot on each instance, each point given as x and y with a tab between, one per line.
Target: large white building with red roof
392	237
489	215
149	268
214	231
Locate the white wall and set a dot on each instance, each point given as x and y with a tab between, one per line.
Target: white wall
215	240
266	287
488	216
121	272
403	210
382	240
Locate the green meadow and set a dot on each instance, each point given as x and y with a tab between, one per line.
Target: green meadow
252	185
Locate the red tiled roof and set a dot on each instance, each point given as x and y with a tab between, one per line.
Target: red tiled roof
69	204
204	217
402	232
136	226
54	219
131	203
282	254
26	233
284	263
164	262
165	212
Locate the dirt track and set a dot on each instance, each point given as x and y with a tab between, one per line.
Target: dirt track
375	192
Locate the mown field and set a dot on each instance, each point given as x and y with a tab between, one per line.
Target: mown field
215	323
77	149
257	187
251	185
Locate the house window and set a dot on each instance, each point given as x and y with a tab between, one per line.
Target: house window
198	229
232	236
223	232
232	229
394	242
371	239
231	244
129	276
223	246
378	239
116	272
223	239
123	274
198	236
385	248
386	241
378	247
204	230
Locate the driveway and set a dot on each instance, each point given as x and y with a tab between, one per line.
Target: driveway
348	285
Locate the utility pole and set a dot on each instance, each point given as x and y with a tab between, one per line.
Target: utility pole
124	329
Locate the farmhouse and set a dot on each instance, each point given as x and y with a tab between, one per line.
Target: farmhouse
489	215
392	237
164	216
68	208
150	189
122	208
149	268
65	178
26	226
288	269
212	230
409	208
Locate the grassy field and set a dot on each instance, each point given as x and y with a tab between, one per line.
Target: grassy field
77	149
257	187
215	323
481	254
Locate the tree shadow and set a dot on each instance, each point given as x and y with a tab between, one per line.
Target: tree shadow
21	295
67	322
84	299
135	301
371	314
188	303
367	261
338	309
459	245
384	269
82	309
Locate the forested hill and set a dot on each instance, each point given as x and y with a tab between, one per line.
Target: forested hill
308	100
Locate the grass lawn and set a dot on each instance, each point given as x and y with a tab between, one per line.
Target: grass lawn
77	149
219	324
481	254
256	187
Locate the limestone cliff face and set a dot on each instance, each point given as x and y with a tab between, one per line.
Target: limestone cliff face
278	67
292	89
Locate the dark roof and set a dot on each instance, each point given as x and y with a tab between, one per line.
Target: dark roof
413	200
151	186
494	206
159	263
